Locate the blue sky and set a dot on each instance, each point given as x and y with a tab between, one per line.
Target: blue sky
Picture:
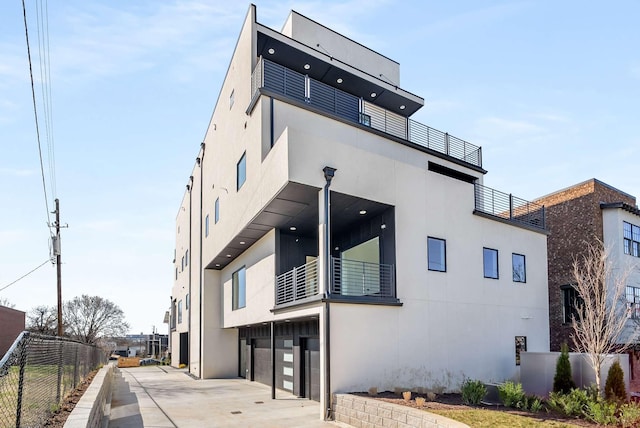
549	89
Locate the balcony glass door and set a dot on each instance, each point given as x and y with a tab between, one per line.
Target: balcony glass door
360	269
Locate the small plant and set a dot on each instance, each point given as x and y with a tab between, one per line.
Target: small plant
420	401
562	381
614	389
431	396
629	415
182	366
536	405
406	395
373	391
572	404
601	412
512	395
473	391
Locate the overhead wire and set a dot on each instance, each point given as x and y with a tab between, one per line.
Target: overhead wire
26	274
35	112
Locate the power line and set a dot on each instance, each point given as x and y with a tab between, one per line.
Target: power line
35	112
26	274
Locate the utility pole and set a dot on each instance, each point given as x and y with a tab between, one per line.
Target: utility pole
57	251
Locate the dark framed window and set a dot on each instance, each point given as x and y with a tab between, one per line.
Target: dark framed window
187	301
571	300
490	263
186	258
437	254
241	170
521	346
631	239
519	266
179	311
206	226
176	273
216	213
239	288
182	265
633	301
231	98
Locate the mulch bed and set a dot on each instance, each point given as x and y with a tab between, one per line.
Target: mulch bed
58	418
454	402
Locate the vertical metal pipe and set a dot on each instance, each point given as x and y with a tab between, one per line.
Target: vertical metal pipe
328	175
273	360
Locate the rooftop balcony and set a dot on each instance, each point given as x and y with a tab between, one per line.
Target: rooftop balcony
291	84
508	207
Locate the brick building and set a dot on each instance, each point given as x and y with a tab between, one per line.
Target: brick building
12	324
584	212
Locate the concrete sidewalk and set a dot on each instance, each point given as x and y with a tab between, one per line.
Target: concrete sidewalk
162	396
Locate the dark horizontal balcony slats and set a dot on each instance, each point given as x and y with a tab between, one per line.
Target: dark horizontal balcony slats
347	106
273	76
361	279
508	207
297	284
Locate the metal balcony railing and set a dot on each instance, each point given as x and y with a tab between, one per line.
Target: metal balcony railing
297	284
297	86
509	207
362	279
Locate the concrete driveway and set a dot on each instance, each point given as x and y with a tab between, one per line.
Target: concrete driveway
161	396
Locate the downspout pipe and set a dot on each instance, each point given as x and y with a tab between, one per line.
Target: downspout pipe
189	188
200	161
329	172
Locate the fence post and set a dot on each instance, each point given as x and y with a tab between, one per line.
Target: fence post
59	384
446	143
295	284
23	362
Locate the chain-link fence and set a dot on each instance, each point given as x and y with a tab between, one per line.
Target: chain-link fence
37	373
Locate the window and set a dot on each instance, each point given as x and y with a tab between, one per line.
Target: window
521	346
206	226
182	265
519	268
437	254
216	216
187	301
571	300
176	273
186	258
631	235
231	97
179	311
490	263
241	170
633	302
239	288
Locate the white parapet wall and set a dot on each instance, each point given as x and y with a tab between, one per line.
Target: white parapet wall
94	406
537	370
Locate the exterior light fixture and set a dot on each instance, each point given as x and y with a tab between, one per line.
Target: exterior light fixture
228	255
271	51
402	107
242	242
292	228
363	212
339	80
307	66
217	264
373	94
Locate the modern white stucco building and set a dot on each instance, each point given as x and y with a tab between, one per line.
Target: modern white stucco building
328	243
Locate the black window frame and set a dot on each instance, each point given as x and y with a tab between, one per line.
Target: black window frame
632	295
235	289
206	226
484	264
570	301
444	254
513	271
631	239
241	163
216	211
180	311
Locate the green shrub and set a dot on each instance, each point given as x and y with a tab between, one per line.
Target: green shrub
602	412
573	404
473	391
512	395
536	405
629	415
562	381
614	389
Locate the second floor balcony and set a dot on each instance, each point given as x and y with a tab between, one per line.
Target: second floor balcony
299	87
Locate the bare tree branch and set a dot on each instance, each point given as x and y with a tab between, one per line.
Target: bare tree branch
89	318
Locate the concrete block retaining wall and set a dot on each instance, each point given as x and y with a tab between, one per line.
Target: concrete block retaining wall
365	412
92	411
